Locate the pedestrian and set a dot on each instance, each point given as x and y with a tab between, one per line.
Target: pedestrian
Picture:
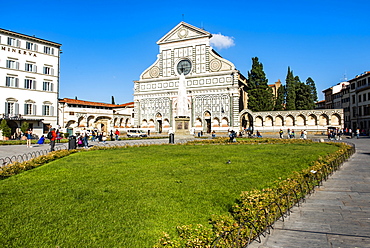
117	134
52	140
93	135
358	133
111	135
29	138
213	134
85	138
281	133
304	134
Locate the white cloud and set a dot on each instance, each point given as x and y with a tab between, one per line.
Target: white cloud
220	41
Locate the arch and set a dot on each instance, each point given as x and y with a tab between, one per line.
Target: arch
268	121
301	120
90	121
127	122
289	120
144	123
224	122
151	124
166	123
312	120
215	122
335	120
80	121
198	123
71	123
259	121
323	120
246	119
279	121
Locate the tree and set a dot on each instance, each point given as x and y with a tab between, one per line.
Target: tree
25	127
313	92
5	128
280	99
303	96
290	84
260	97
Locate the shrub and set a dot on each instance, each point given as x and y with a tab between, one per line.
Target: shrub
7	132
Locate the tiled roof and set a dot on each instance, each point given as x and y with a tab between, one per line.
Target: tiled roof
101	104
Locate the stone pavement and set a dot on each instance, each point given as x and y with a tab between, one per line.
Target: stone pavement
336	215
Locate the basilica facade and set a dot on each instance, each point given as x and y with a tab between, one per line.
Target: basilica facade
215	89
215	92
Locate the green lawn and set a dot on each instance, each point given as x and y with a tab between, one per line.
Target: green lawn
127	197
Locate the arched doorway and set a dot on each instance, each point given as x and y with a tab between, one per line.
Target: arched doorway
158	117
207	118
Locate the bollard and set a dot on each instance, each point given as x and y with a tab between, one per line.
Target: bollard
172	138
72	142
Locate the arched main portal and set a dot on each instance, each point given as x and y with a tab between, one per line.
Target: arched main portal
207	118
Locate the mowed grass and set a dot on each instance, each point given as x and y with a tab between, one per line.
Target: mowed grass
127	197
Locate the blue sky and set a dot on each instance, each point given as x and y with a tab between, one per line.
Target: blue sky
108	44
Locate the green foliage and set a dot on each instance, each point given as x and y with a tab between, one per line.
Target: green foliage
88	198
24	127
290	90
303	96
260	96
66	135
313	92
280	99
7	132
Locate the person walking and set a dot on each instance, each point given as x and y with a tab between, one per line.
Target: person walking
52	140
281	133
85	138
29	138
117	134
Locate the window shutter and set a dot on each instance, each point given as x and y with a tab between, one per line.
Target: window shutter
34	109
16	108
18	43
7	82
52	71
51	87
7	63
35	47
25	83
52	110
34	84
52	51
43	109
6	108
16	82
17	65
35	68
25	108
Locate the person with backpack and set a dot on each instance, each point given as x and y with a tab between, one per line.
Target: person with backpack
52	138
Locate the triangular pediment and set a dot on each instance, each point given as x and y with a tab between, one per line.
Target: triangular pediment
183	31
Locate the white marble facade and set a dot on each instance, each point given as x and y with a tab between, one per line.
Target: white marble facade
215	91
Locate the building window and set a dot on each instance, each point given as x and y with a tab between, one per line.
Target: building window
48	50
48	70
359	98
30	84
11	108
47	86
353	99
31	46
30	67
12	64
12	82
364	96
71	113
360	111
47	110
29	109
14	42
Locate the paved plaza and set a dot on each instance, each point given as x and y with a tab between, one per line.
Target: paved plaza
336	215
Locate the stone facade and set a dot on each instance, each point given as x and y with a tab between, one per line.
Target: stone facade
215	89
